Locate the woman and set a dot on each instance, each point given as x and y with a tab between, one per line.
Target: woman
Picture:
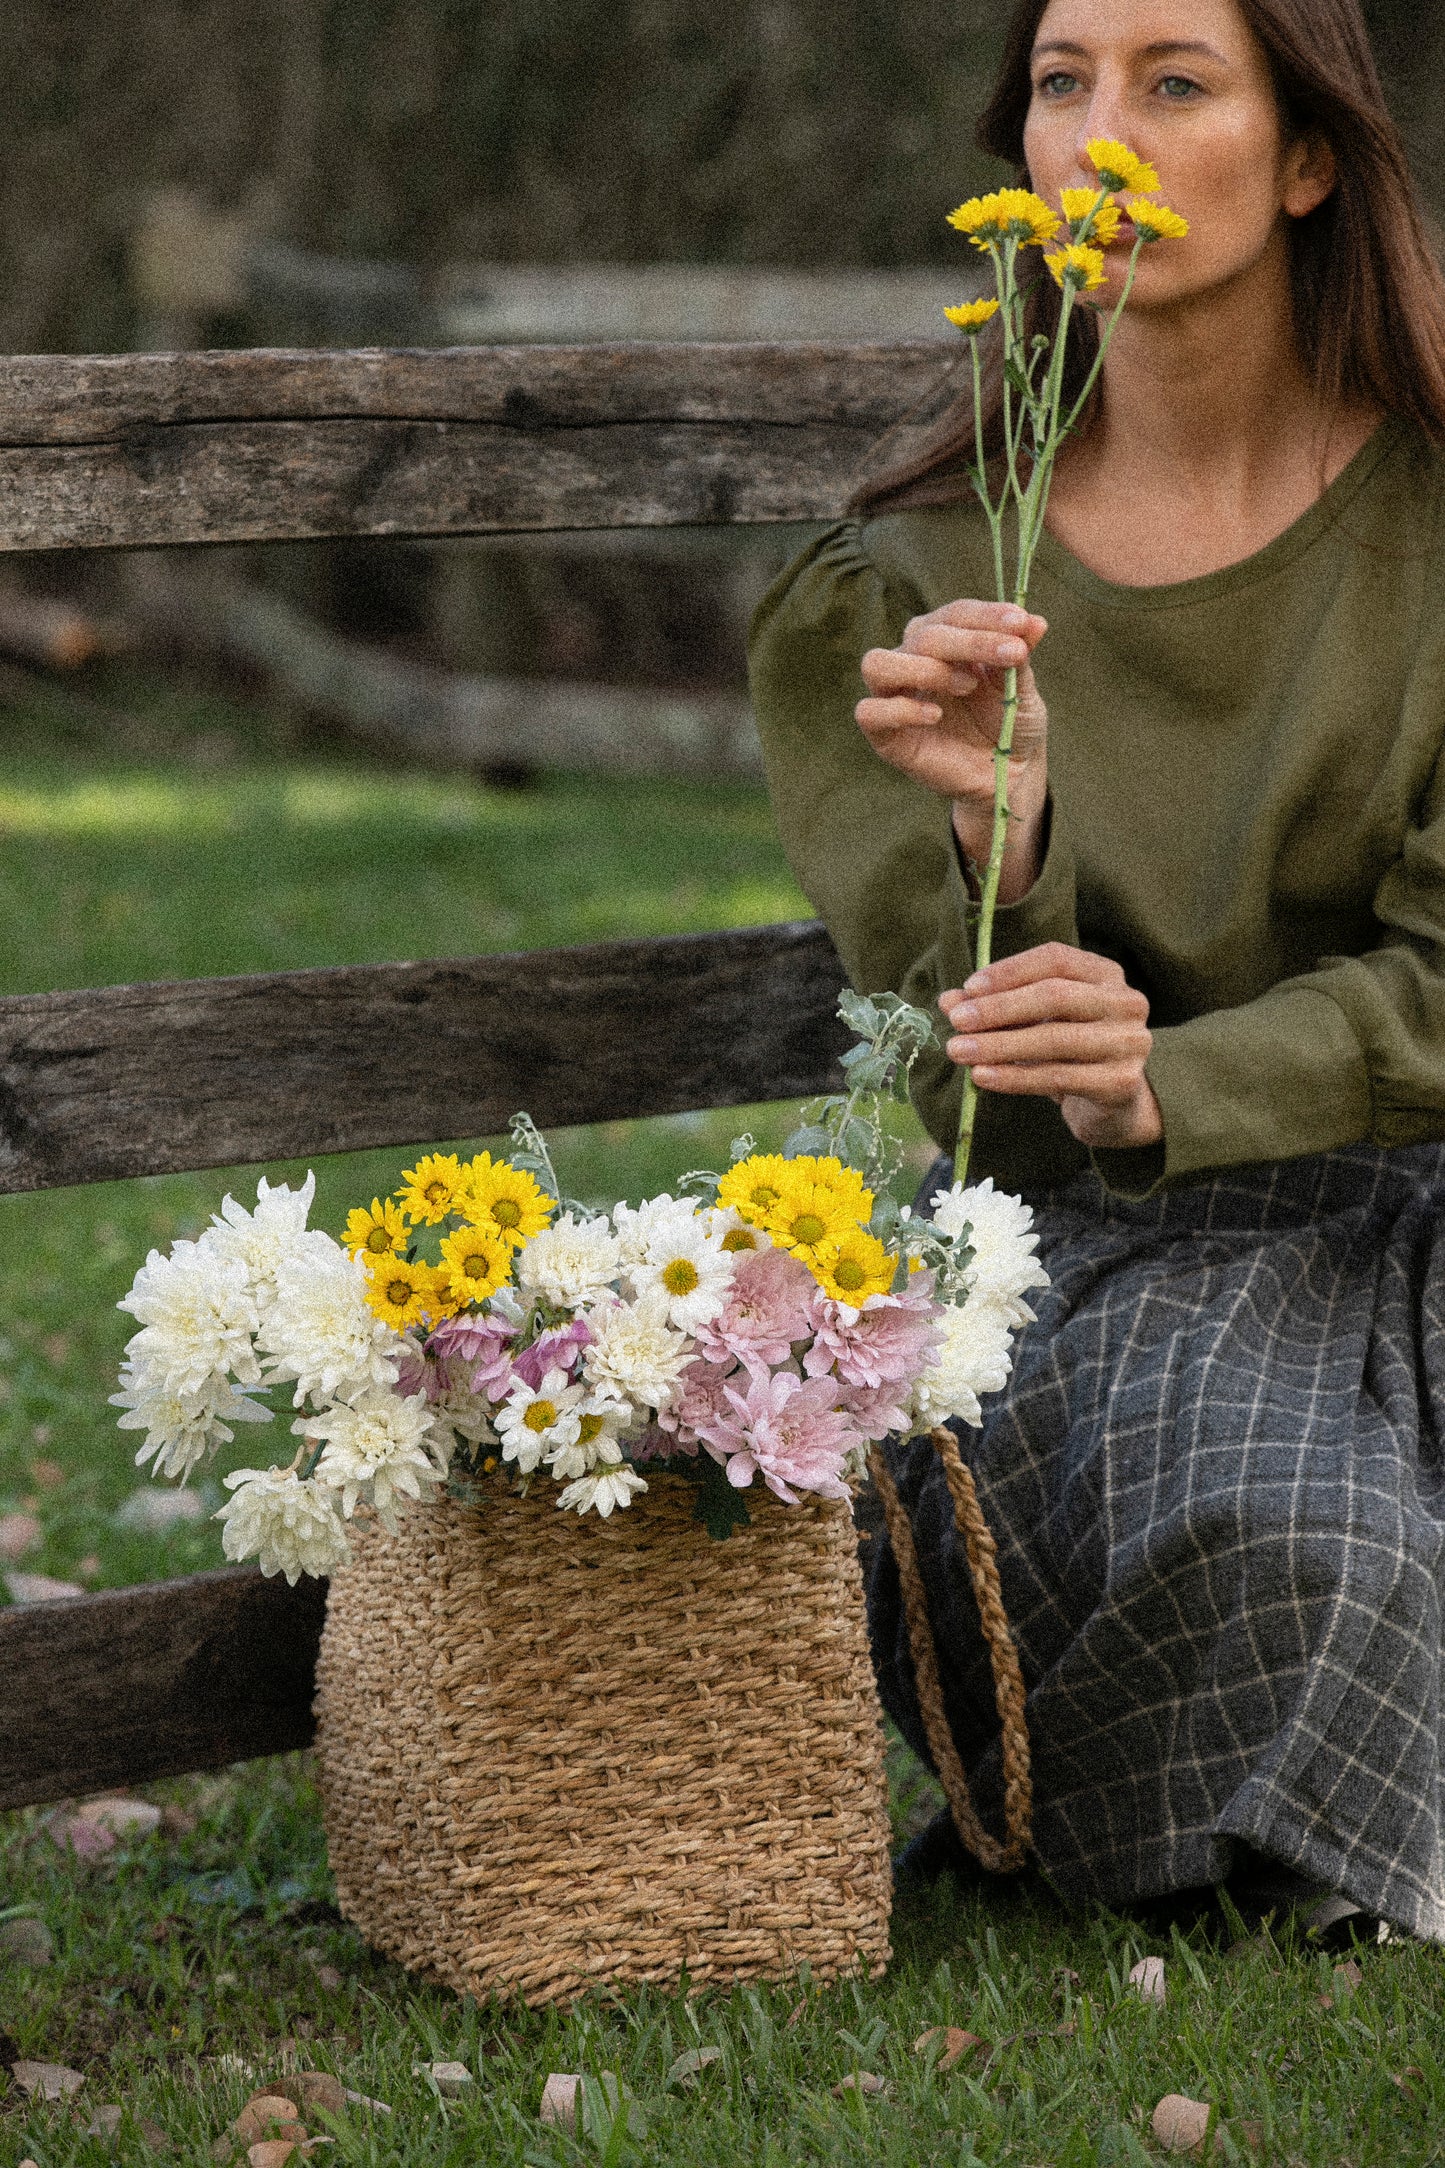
1212	1045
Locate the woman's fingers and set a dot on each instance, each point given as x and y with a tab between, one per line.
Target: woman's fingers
888	671
1102	1084
1076	1000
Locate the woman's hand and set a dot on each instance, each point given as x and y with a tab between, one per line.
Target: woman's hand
934	708
1059	1023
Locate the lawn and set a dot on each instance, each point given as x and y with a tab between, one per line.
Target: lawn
199	1959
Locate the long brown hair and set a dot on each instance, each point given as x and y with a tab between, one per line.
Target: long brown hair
1369	297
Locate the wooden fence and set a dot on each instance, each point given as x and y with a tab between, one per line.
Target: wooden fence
138	1683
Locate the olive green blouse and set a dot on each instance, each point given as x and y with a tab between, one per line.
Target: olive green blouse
1247	813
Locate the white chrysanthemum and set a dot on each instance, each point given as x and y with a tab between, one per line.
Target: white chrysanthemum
570	1263
258	1240
600	1424
973	1360
286	1525
1004	1267
376	1443
531	1424
683	1261
459	1417
197	1315
634	1352
655	1220
181	1428
601	1491
320	1332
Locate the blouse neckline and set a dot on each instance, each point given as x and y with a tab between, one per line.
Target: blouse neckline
1292	542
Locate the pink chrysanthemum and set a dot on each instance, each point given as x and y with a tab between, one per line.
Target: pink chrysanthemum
556	1349
888	1342
766	1311
477	1351
789	1431
701	1410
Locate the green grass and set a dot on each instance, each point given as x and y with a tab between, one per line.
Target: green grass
209	1942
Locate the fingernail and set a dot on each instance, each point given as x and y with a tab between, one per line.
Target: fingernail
965	1016
977	984
964	1049
1012	651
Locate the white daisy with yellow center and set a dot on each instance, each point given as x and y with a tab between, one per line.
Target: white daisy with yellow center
533	1424
600	1423
675	1253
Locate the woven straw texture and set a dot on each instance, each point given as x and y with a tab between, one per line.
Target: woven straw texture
558	1753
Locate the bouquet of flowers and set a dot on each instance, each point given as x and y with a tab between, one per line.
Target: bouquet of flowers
479	1328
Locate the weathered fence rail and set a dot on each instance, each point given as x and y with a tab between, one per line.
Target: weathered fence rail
143	450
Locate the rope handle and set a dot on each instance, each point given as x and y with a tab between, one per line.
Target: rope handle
1008	1684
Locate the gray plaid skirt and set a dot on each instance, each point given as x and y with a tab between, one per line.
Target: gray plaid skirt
1217	1482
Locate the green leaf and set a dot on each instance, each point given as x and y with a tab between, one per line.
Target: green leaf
860	1013
811	1141
719	1507
885	1219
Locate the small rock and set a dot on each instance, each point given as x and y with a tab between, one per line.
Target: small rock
1147	1980
560	2099
152	1510
328	1977
19	1533
1179	2123
40	1588
157	2139
27	1942
45	1474
46	2081
319	2089
689	2066
105	2122
863	2081
271	2152
122	1817
449	2078
363	2100
262	2113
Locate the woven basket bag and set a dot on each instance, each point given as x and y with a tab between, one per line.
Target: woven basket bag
560	1753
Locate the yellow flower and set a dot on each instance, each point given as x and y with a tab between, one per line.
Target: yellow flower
406	1294
855	1268
378	1232
754	1185
475	1263
1008	214
972	315
504	1200
845	1183
808	1218
1080	203
432	1188
1156	222
1117	166
1078	265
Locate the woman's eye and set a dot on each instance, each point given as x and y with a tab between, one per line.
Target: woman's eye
1057	84
1178	86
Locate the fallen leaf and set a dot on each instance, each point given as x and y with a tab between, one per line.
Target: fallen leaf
1147	1980
798	2012
47	1473
46	2081
1408	2079
27	1942
1252	2133
328	1977
19	1533
690	2065
452	2079
363	2100
560	2098
319	2089
1179	2123
1066	2031
956	2043
40	1588
1348	1977
862	2081
263	2111
1066	1981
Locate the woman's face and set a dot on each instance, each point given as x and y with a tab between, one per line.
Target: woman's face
1187	86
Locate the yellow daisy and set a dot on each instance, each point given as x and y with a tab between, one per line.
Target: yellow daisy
1117	166
1008	214
1156	222
754	1185
476	1263
808	1217
505	1200
971	316
1080	204
377	1232
432	1188
855	1268
846	1184
405	1294
1078	266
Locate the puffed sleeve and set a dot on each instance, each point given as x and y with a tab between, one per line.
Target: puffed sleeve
874	851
